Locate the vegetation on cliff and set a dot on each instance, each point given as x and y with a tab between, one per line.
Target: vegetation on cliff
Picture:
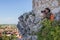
49	31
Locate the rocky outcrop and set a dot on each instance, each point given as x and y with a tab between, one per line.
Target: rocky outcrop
29	23
39	5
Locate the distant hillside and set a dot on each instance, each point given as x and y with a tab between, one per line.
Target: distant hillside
8	25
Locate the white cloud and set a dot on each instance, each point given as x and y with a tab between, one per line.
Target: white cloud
8	20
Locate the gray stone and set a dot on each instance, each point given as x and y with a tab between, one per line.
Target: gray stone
31	22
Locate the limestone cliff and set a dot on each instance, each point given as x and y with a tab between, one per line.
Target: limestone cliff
29	23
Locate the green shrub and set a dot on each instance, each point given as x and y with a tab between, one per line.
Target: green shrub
49	31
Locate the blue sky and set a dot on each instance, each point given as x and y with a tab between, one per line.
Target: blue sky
10	10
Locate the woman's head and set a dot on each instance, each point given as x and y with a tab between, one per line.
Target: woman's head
47	10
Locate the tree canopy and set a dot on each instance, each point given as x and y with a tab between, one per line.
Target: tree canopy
49	31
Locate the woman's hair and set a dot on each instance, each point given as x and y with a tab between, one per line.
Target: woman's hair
48	9
42	11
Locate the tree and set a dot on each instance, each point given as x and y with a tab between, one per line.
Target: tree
49	31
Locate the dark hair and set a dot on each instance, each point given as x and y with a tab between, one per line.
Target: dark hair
42	11
48	9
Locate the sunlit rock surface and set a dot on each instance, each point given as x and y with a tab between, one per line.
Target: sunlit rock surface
56	12
39	5
29	23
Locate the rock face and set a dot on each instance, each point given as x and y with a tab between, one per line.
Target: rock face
39	5
56	11
29	23
28	20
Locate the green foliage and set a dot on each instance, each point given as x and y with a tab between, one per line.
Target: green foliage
49	31
13	37
5	37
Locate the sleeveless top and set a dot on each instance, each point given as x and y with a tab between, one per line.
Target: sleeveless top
50	16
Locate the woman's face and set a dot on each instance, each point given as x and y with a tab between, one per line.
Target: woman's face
46	11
